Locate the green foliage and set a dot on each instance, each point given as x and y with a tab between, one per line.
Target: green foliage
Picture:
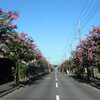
22	69
74	67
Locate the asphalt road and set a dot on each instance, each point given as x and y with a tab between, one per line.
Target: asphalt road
55	86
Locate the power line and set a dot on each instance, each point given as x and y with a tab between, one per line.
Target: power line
91	13
85	5
81	11
74	28
86	11
89	8
93	9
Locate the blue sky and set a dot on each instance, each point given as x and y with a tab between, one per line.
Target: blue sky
52	23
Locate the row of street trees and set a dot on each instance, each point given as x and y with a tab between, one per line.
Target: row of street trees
18	46
86	54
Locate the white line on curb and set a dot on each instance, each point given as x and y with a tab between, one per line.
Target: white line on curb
57	97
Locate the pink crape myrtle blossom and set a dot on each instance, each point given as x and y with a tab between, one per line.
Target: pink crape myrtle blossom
31	40
3	45
1	10
81	59
95	30
9	12
90	31
10	36
25	44
5	23
90	49
23	39
93	42
22	33
34	46
97	36
90	55
4	50
1	56
16	40
14	16
14	25
8	15
7	41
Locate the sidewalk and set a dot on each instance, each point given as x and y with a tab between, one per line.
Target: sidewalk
10	87
7	88
95	82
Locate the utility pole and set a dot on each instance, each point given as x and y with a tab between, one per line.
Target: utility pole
70	46
65	56
79	30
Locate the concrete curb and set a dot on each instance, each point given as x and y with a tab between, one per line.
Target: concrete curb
93	85
9	91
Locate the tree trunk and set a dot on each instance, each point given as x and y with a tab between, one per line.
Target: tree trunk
61	69
99	68
17	75
88	74
92	73
17	72
78	72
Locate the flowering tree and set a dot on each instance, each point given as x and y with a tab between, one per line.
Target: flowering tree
88	51
6	22
18	47
6	25
95	37
15	45
66	66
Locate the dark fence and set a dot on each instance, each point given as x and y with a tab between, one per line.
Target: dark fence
6	70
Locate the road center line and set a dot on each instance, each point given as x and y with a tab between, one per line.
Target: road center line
57	97
56	79
56	85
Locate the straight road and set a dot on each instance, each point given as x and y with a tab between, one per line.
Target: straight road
55	86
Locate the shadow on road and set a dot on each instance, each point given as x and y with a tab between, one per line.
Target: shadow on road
76	78
93	82
35	80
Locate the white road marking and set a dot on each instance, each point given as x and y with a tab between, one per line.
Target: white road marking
57	97
56	79
56	85
55	76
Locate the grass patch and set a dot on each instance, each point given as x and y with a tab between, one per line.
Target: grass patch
97	75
